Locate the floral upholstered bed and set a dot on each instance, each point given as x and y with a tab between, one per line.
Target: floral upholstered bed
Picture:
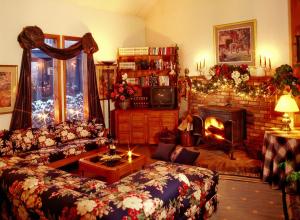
160	191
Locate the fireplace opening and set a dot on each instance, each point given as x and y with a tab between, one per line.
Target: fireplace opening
218	130
223	126
214	128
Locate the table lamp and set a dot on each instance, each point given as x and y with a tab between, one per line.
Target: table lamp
286	104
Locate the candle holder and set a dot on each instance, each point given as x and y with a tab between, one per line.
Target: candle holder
265	67
112	149
201	68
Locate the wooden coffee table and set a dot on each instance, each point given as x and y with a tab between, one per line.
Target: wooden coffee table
114	170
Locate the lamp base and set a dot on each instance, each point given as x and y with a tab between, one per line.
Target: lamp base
286	122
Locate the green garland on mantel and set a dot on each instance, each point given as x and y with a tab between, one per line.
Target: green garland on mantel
224	77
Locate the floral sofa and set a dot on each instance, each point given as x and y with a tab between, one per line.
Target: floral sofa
54	143
31	189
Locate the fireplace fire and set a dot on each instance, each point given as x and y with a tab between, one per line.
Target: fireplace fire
214	128
224	125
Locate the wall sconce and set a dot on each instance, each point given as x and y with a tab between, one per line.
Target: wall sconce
286	104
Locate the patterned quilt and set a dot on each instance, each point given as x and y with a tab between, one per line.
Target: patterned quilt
160	191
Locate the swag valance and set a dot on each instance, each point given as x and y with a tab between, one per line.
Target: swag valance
33	37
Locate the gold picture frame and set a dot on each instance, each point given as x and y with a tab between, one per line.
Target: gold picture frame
235	43
106	78
8	87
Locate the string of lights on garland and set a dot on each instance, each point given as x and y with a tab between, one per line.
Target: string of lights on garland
224	77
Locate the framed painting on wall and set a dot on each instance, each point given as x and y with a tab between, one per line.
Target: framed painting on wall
106	78
8	83
235	43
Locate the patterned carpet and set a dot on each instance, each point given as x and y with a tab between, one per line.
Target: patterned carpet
247	199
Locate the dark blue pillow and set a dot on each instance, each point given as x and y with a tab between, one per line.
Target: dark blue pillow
163	151
187	157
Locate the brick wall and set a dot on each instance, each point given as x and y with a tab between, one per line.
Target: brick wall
260	114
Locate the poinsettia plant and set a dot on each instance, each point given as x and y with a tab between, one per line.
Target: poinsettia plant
123	91
287	78
238	74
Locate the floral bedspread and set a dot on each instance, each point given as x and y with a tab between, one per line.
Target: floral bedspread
160	191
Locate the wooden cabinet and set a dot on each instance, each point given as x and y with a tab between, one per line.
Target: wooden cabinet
142	126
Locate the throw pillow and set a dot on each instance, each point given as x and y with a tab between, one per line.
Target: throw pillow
176	152
82	129
24	140
45	138
187	157
163	151
64	132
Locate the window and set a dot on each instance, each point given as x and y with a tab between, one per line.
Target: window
74	83
47	107
45	84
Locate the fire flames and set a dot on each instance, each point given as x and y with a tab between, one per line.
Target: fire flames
214	128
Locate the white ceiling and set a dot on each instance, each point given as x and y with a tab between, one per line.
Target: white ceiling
138	8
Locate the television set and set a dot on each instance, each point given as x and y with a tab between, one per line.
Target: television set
163	97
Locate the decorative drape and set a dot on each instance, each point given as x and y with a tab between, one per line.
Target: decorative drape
33	37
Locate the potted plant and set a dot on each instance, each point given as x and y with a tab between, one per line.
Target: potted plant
123	92
291	186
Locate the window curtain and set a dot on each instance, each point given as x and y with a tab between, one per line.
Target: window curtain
33	37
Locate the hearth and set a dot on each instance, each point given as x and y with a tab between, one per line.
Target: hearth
224	126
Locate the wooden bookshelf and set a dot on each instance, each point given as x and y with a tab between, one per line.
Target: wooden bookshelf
149	61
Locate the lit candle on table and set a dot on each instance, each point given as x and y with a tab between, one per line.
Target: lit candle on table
129	156
129	153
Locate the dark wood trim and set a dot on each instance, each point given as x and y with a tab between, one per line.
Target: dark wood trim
57	82
64	38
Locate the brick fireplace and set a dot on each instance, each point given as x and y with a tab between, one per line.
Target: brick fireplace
260	113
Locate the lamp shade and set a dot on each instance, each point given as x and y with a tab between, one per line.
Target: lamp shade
286	103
